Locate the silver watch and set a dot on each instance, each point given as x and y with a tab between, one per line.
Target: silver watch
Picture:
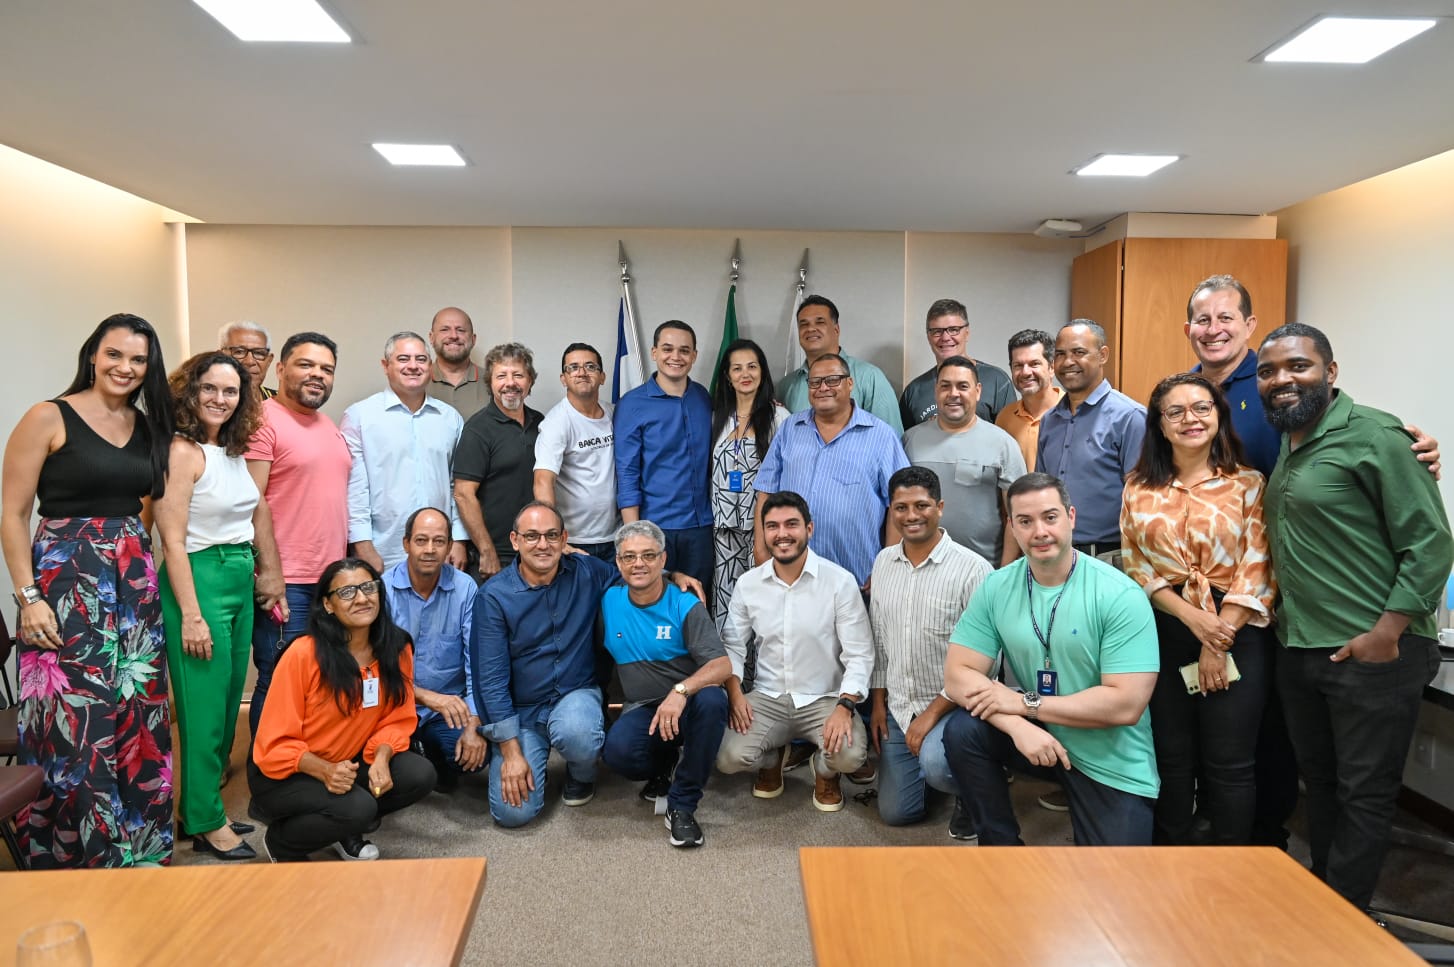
1032	704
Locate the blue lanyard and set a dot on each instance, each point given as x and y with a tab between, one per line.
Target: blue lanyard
1044	636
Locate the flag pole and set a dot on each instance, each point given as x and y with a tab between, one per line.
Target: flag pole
627	370
729	324
632	334
795	352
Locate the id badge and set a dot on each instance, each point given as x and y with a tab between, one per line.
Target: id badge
370	692
734	481
1046	680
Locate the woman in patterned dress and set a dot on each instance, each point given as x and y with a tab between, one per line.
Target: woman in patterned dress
1192	535
93	676
744	421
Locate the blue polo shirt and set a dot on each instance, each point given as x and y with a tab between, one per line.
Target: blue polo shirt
845	482
534	645
1259	439
1092	451
664	454
440	627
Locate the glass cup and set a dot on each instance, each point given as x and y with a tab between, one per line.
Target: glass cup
60	943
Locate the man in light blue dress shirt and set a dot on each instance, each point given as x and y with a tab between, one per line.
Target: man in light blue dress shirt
401	441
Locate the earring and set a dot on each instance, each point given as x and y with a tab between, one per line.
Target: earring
90	374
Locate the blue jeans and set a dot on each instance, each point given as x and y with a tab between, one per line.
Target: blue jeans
267	641
576	728
689	551
632	753
438	739
978	754
902	775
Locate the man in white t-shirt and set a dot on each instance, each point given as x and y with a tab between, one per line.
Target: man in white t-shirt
575	467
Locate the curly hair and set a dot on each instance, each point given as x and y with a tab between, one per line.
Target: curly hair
240	426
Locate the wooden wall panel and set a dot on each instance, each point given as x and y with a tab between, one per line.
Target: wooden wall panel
1095	294
1159	276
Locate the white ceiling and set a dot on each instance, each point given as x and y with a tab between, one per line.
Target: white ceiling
801	114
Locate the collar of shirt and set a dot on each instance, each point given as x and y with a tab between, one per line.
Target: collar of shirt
499	415
471	375
857	417
393	400
1335	417
398	579
1102	390
810	569
653	388
1019	408
941	548
511	580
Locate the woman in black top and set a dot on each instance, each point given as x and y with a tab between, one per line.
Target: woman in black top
93	681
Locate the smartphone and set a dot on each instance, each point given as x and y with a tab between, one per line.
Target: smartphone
1193	683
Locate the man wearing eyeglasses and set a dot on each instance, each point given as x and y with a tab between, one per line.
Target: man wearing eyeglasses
947	327
575	462
818	336
247	342
534	666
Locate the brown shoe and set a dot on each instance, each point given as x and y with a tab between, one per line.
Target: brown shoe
799	754
864	774
827	797
769	784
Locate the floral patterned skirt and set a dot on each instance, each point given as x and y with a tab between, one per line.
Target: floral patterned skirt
93	713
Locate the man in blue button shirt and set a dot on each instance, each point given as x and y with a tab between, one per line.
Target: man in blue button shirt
664	449
434	601
1092	438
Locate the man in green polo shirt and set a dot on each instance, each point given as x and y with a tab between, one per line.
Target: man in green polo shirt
1362	549
1081	635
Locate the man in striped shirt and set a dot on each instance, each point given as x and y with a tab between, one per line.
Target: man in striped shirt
922	585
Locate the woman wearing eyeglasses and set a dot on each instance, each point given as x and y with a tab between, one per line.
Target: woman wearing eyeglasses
331	755
1192	535
744	420
206	521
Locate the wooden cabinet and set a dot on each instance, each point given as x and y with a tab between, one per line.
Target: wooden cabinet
1137	288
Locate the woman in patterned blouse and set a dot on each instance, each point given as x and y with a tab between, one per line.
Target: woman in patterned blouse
1192	535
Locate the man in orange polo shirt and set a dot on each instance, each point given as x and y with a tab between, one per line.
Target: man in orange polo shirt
1031	353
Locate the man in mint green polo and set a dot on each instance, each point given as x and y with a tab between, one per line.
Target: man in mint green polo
1081	636
1362	550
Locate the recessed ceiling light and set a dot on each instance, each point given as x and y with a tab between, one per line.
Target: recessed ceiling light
421	154
1125	165
296	21
1346	40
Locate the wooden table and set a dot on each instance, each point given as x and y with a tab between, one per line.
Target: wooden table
387	912
1081	907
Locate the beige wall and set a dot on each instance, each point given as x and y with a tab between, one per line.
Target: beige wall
1370	265
74	251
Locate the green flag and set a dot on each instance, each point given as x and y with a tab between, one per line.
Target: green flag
729	335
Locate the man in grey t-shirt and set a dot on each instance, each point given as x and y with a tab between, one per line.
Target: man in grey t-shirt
947	327
575	455
975	461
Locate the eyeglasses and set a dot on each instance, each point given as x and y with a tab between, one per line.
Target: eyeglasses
947	331
645	557
535	537
242	352
591	368
348	591
832	382
1176	414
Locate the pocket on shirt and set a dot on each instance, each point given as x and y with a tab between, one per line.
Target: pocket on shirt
968	473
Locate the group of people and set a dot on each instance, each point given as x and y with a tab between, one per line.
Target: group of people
1140	603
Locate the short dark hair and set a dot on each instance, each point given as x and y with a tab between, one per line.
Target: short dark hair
946	307
906	478
1216	283
833	357
787	498
409	524
1096	328
582	347
515	524
1033	337
963	362
1296	330
818	300
1033	482
305	338
673	324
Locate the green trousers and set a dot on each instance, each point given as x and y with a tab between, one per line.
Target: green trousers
208	692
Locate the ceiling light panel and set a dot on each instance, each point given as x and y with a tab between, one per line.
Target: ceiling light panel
1125	165
443	155
1346	40
286	21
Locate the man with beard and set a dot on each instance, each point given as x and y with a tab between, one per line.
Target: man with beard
1092	438
947	326
1031	355
495	459
455	379
433	601
401	440
1362	548
300	464
814	659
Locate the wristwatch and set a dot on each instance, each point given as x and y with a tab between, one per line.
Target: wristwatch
1032	704
681	689
849	704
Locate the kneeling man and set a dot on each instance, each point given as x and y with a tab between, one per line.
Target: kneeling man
672	665
813	661
1081	634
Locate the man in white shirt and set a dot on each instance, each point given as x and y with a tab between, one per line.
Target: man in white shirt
813	662
575	461
401	441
